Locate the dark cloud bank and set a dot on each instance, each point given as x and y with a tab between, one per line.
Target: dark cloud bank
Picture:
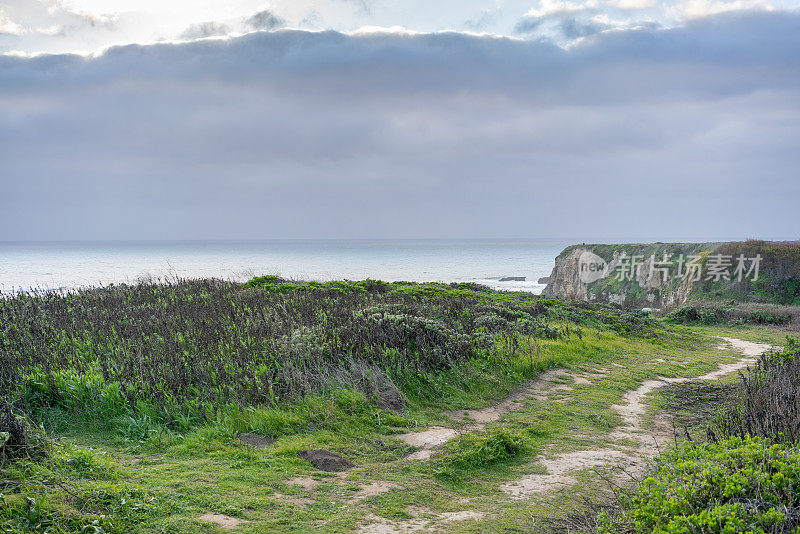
690	132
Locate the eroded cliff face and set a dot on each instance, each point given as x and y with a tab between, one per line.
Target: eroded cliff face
666	275
565	281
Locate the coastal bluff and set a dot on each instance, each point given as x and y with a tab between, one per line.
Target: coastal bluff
667	275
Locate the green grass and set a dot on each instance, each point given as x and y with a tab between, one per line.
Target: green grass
758	334
171	481
739	474
139	475
737	485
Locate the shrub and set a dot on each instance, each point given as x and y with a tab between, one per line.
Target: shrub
734	314
176	352
204	341
737	485
696	313
18	438
770	399
478	450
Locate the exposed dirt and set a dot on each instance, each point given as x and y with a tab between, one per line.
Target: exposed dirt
631	460
540	389
224	522
448	517
307	482
428	440
326	460
380	525
560	469
751	351
375	488
255	440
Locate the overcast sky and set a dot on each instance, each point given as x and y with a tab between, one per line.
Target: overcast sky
587	119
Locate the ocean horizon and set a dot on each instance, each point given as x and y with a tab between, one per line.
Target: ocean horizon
25	266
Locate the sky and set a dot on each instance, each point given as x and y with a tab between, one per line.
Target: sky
587	119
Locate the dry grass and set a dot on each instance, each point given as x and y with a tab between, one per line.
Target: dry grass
770	399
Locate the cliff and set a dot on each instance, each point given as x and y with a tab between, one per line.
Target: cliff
665	275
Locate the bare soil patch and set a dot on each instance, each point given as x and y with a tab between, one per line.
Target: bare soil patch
307	482
380	525
375	488
326	460
223	521
255	440
539	389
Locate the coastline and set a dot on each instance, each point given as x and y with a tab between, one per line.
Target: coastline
29	266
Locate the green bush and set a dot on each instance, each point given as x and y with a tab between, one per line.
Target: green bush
154	354
710	313
737	485
18	438
768	405
479	450
695	313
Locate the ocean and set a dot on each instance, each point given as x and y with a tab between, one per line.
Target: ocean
26	266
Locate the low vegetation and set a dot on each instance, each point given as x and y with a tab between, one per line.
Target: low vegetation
779	276
735	485
481	450
183	367
734	314
744	477
123	406
179	353
769	404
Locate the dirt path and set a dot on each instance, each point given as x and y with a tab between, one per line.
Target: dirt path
424	522
632	460
631	451
540	389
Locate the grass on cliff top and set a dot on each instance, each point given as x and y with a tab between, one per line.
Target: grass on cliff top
179	352
164	481
126	461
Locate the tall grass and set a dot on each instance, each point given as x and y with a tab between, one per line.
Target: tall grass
769	404
711	313
745	478
179	350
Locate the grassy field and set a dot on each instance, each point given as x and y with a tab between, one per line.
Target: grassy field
142	392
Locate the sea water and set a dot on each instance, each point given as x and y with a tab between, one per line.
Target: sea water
25	266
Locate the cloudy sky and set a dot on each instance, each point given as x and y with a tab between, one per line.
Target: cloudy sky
586	119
